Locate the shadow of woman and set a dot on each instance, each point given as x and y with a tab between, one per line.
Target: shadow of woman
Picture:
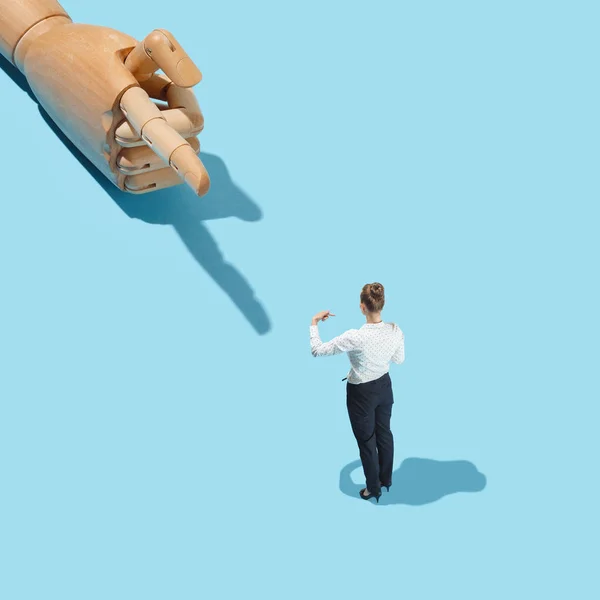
421	481
180	208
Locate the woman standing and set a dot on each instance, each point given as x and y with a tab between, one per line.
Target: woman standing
369	395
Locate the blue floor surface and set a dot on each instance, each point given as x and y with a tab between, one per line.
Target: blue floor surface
165	433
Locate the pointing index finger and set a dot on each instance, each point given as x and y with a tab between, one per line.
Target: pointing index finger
148	122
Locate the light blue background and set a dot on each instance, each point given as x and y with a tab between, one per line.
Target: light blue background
165	432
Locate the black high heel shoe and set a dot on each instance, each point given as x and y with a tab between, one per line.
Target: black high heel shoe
387	487
371	495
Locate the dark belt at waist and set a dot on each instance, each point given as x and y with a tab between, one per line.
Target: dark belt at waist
373	381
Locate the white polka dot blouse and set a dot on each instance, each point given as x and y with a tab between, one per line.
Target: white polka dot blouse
370	349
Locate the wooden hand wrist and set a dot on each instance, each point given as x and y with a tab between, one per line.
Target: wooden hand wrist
22	21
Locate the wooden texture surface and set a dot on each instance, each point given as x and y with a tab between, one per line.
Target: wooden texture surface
80	76
77	73
18	16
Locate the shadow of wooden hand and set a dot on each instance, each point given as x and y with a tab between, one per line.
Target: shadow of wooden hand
186	213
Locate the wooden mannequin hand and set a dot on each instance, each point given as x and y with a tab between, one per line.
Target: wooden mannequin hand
97	83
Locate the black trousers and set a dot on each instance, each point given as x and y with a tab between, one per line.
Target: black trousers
370	410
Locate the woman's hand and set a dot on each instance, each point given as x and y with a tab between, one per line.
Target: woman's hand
322	316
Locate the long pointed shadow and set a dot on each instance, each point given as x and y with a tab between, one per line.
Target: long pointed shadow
419	481
180	208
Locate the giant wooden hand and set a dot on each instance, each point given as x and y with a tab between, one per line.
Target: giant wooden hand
97	83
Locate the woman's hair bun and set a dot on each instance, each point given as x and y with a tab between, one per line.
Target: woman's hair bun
376	289
373	297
